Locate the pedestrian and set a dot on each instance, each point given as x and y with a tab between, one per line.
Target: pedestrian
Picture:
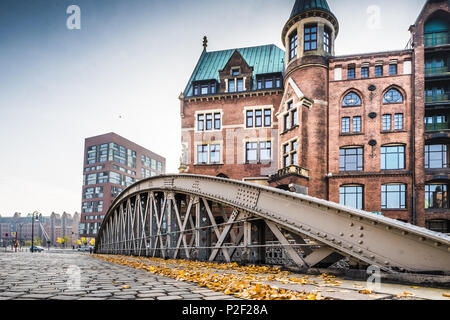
90	250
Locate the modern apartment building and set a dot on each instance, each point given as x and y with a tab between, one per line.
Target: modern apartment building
370	131
111	164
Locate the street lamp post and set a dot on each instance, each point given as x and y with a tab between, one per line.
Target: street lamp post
34	215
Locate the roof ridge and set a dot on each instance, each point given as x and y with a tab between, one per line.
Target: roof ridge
232	49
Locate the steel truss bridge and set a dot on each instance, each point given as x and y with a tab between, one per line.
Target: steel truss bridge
214	219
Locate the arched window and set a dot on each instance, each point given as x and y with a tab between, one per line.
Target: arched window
351	100
392	96
436	30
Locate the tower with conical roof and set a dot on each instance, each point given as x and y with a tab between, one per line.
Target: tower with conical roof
308	37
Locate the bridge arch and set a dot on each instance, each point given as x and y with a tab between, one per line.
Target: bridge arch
176	216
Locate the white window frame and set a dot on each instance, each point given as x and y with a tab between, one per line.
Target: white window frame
253	109
197	144
204	113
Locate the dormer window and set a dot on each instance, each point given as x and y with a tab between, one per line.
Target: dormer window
231	86
204	88
268	81
310	37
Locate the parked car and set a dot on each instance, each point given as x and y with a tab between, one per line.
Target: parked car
86	248
37	249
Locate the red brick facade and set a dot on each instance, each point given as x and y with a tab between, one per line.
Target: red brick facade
390	116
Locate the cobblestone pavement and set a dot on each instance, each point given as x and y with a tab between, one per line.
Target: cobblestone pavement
69	275
54	276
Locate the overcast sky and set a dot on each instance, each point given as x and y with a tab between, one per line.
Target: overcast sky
123	71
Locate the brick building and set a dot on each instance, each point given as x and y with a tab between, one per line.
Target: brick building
55	226
369	131
111	163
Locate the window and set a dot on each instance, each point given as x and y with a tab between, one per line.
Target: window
393	96
357	127
93	193
235	72
442	226
214	154
398	121
379	70
351	72
365	72
231	85
290	154
251	152
207	154
202	154
352	196
265	151
387	122
436	196
351	159
310	38
257	152
269	81
259	118
208	122
160	166
436	123
249	119
291	118
345	125
240	85
393	196
392	69
327	40
351	100
217	121
204	88
267	118
436	156
393	158
293	40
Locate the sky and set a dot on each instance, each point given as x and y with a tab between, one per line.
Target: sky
123	72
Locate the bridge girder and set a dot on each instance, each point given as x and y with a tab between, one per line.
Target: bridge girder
175	216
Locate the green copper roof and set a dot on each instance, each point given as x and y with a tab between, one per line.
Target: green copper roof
263	59
305	5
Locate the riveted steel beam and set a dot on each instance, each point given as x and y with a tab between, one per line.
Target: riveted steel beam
339	230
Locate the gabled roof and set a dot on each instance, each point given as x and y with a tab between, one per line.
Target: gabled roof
305	5
264	59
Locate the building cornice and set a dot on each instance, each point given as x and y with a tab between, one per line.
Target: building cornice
235	95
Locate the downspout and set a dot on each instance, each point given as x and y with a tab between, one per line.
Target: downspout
413	135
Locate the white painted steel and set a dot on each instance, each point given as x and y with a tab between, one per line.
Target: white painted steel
369	238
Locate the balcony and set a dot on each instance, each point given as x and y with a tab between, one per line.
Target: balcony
437	71
290	171
438	99
437	39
